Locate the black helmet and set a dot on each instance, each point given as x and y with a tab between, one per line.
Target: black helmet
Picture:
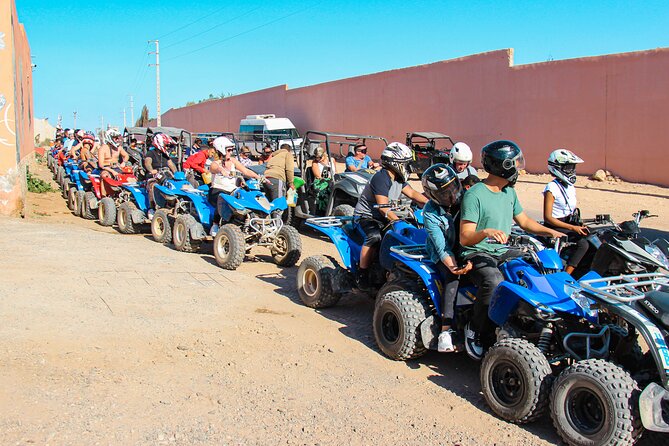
503	159
441	185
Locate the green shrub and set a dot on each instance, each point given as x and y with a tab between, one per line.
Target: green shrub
37	185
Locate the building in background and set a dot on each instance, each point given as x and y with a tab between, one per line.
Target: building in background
16	109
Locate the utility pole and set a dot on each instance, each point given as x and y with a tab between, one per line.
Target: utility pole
132	111
60	120
157	65
125	124
75	119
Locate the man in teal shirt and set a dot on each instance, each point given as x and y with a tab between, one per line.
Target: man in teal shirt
487	213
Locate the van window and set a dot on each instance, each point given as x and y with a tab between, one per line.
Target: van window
250	129
288	133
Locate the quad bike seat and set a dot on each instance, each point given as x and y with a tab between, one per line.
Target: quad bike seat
656	304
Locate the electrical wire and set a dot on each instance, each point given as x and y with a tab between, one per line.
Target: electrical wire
192	23
210	29
244	32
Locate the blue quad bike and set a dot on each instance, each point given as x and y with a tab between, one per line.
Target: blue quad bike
248	219
167	193
557	344
135	209
322	280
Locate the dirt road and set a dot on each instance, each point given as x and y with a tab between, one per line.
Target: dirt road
115	339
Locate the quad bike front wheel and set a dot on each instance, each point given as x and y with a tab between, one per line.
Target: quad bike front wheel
124	218
160	227
78	202
287	246
317	282
107	211
181	234
229	247
396	324
595	402
515	380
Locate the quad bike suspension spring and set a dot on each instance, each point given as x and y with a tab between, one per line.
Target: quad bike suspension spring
545	338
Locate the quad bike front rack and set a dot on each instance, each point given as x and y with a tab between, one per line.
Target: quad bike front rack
626	288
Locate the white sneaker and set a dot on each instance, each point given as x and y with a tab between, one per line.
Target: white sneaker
445	344
472	344
214	230
150	214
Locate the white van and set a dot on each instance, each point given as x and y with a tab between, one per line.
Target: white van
257	130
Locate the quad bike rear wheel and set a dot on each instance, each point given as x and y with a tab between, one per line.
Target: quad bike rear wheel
229	247
515	380
287	246
181	234
72	199
107	211
343	210
396	324
86	211
595	402
160	227
318	279
78	202
124	218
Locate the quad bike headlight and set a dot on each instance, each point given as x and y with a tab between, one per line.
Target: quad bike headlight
658	254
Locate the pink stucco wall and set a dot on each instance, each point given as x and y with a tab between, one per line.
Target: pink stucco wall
611	110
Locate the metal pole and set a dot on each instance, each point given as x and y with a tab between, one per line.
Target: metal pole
157	64
132	111
75	119
125	123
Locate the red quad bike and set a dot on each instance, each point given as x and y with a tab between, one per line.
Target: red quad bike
107	205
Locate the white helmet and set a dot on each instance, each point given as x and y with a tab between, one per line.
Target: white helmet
395	157
111	136
221	144
460	153
562	164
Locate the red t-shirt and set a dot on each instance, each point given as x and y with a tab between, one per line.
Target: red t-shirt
197	161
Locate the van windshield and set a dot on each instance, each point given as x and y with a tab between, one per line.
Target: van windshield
284	133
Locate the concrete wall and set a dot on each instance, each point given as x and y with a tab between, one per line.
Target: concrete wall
608	109
16	108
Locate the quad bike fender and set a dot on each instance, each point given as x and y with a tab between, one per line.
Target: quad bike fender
550	259
428	274
506	297
429	331
139	195
650	407
205	211
339	239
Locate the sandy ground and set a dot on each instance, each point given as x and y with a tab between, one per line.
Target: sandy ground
115	339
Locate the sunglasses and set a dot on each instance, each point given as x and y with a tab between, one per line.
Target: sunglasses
361	150
267	153
230	150
246	153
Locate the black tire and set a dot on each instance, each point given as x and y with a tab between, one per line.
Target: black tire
124	218
515	380
86	211
595	402
287	247
229	247
72	199
107	211
161	230
396	324
290	219
317	282
181	234
343	210
402	284
79	202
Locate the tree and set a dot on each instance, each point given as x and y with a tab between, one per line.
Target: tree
143	120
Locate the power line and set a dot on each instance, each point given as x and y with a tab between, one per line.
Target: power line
212	28
193	22
244	32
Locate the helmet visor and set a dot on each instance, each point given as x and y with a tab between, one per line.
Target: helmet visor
449	194
516	163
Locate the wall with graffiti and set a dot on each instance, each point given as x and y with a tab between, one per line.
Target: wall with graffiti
16	109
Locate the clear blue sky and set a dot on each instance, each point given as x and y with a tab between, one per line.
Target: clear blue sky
91	55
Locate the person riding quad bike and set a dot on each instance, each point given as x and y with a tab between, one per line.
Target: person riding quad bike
111	156
487	212
158	158
88	154
442	187
461	159
386	186
560	206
